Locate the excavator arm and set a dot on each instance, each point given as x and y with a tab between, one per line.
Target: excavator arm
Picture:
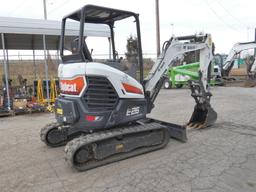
235	51
174	49
252	70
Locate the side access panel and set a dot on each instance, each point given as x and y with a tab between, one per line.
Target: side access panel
66	111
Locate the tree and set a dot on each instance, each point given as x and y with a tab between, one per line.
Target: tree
132	50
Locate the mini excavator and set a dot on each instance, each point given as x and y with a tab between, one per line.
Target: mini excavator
101	112
225	67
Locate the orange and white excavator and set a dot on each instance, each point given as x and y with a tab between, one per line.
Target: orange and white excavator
101	112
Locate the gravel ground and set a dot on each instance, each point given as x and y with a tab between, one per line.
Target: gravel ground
217	159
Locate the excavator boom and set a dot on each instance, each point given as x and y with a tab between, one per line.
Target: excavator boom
203	114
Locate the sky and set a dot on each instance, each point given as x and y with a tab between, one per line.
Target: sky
228	21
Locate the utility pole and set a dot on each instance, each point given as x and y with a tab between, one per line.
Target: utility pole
45	11
255	41
157	28
45	58
248	28
172	28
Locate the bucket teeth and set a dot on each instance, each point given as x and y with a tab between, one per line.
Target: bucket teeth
202	117
195	125
200	126
191	125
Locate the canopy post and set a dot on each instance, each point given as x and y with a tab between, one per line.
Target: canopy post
7	58
109	48
6	74
46	71
58	50
34	59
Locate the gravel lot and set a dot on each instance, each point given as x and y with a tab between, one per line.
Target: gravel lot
221	158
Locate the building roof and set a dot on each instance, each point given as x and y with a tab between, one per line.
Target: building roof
27	34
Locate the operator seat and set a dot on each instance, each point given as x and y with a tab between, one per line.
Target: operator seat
86	52
84	49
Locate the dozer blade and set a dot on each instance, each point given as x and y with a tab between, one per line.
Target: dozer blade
202	117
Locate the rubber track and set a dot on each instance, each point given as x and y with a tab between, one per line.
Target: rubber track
44	132
81	141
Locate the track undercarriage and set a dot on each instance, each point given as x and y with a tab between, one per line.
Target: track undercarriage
96	149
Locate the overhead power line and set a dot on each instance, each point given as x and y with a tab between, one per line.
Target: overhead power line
17	7
220	18
61	5
230	14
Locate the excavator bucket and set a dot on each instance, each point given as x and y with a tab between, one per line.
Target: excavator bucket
202	117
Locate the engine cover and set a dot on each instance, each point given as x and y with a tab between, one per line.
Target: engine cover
95	96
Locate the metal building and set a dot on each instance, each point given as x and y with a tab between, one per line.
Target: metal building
27	34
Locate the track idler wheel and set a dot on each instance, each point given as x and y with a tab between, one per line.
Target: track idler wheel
202	117
52	136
